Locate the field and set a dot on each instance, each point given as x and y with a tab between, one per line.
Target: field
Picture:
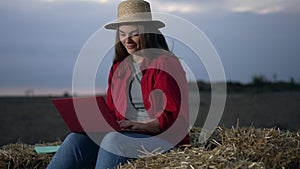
34	120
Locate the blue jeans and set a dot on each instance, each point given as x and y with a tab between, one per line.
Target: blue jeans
79	151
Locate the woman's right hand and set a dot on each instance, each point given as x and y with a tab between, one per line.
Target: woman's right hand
147	127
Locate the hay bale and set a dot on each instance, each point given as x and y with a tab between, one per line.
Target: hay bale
17	156
227	148
231	148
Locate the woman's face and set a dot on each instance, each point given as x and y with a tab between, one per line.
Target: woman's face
129	37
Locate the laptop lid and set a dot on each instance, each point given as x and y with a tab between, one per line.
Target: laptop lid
86	114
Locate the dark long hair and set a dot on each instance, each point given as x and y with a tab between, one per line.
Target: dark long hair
151	38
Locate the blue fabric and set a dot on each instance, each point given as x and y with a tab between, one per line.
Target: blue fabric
79	151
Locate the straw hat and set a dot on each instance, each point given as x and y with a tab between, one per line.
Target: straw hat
134	11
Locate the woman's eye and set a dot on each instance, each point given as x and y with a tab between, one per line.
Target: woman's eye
121	34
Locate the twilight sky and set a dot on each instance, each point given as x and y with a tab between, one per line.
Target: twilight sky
41	39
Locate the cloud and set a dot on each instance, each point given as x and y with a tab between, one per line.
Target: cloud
158	5
182	7
40	5
178	6
232	6
262	7
97	1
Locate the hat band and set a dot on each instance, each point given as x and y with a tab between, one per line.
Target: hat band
145	16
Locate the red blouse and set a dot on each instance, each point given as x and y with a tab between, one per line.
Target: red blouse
164	89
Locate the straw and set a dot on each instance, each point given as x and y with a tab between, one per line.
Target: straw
231	148
227	148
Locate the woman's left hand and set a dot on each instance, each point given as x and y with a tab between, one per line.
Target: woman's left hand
147	127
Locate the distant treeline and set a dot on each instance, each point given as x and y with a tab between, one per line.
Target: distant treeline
258	84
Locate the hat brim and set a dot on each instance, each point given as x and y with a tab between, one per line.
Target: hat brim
155	23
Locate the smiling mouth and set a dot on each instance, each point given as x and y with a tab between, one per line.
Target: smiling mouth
130	46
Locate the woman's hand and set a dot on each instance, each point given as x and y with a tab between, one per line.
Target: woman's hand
151	127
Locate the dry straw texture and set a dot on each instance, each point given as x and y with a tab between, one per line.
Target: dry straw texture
17	156
227	148
231	148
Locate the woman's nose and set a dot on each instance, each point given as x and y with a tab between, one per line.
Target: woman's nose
128	39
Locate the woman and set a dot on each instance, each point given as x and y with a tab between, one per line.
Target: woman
147	92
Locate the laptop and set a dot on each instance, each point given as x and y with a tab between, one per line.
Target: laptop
86	114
